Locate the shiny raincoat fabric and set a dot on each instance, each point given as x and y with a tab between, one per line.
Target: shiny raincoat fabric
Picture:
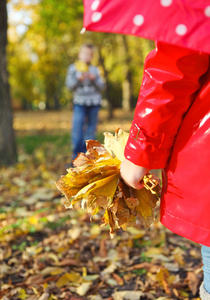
171	130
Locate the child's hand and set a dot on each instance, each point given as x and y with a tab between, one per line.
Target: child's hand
132	174
91	76
82	77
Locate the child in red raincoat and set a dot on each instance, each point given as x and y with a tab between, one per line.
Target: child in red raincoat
171	131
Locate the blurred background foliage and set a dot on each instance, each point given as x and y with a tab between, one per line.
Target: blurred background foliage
44	38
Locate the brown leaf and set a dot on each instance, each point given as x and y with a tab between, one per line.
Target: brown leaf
163	279
119	279
102	249
147	204
145	265
193	282
34	279
68	262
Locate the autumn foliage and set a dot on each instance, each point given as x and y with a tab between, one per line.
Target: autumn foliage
50	253
95	181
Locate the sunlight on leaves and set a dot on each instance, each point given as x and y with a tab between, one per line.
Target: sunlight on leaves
67	278
127	295
83	288
95	181
22	294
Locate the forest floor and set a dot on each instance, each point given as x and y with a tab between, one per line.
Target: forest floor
48	252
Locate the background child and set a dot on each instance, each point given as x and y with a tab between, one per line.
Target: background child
86	83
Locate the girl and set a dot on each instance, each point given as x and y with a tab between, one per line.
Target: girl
171	131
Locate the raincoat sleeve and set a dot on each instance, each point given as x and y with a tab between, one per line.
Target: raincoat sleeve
171	79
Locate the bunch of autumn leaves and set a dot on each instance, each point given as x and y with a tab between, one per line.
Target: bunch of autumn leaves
95	181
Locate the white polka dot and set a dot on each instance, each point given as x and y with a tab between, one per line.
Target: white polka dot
138	20
207	11
181	29
96	16
165	2
95	4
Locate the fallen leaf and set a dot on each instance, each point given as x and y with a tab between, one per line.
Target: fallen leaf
22	294
74	232
163	278
145	265
110	269
95	297
127	295
44	296
66	278
51	271
119	279
34	279
68	262
83	288
4	270
91	277
193	282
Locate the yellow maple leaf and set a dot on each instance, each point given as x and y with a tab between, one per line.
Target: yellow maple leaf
104	187
66	278
81	66
115	144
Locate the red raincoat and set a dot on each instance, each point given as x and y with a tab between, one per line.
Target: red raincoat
171	130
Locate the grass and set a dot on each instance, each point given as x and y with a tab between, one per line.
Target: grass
31	142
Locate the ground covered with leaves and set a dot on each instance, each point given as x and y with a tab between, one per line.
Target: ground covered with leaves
49	252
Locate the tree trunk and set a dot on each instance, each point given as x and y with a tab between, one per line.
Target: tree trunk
107	91
7	138
47	100
57	105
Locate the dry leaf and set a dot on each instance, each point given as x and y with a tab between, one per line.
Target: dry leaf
22	294
68	262
83	288
66	278
44	296
4	270
116	144
119	279
109	270
95	181
51	271
193	282
34	279
127	295
163	278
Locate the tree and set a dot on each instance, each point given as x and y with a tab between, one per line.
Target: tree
7	139
39	57
55	28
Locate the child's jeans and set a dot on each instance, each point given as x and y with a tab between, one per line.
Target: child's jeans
205	252
84	124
